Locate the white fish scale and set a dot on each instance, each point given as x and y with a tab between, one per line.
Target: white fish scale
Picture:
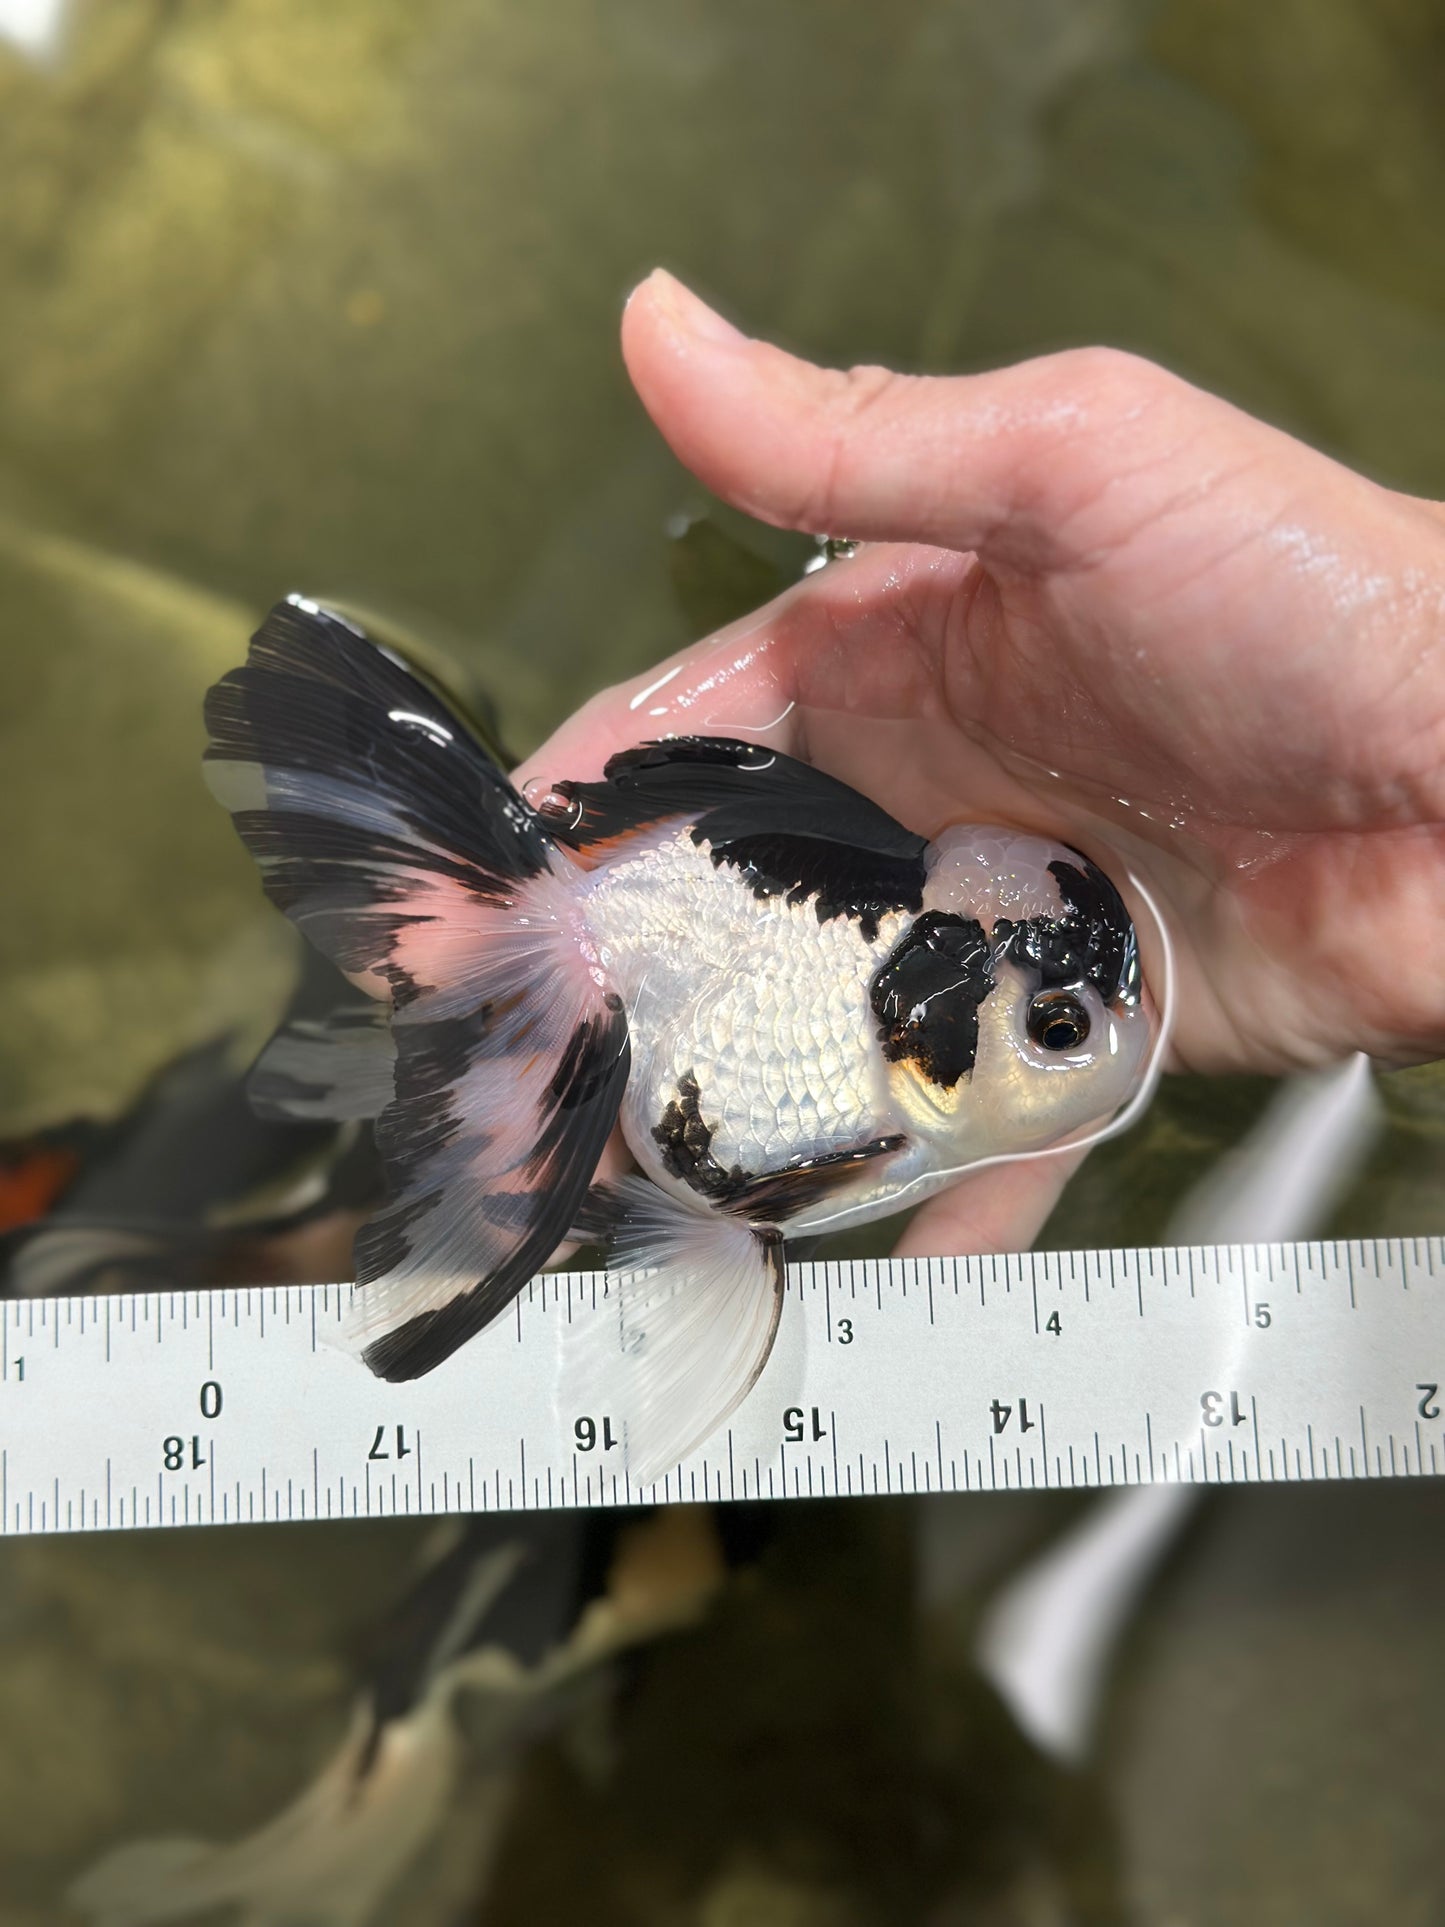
766	1007
756	1066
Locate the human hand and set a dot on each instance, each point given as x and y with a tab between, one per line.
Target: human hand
1096	603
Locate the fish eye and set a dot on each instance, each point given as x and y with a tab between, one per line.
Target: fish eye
1057	1021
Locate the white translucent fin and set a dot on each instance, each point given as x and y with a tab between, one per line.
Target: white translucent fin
682	1334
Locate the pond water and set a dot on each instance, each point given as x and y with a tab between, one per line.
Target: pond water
294	296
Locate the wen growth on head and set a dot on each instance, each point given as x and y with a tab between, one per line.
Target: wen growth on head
797	1012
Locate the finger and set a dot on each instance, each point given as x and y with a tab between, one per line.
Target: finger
1002	1208
996	463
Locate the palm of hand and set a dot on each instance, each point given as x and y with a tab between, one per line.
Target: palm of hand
1157	626
1092	602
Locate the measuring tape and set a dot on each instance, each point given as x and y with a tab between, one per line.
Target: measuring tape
1208	1365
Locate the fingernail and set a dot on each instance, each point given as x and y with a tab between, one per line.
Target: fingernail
688	311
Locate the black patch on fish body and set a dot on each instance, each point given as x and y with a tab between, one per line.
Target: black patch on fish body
685	1139
1092	942
789	829
927	994
841	882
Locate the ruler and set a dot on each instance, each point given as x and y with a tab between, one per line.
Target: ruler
1205	1365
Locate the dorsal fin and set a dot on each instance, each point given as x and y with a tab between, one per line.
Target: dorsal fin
733	790
790	829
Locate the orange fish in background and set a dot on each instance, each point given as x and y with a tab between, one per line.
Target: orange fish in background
32	1178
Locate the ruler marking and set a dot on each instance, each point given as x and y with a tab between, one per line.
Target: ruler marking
52	1479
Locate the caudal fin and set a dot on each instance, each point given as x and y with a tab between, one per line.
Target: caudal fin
391	839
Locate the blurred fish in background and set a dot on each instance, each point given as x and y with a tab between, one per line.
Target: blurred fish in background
511	1627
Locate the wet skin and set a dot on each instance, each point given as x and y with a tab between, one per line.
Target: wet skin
1098	603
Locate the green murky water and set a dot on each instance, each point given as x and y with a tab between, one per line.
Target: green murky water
294	295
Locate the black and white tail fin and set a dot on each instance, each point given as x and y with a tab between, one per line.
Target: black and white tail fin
688	1323
391	839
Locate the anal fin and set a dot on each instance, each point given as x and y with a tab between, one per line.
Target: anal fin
691	1310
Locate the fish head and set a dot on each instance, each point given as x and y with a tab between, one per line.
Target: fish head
1012	1011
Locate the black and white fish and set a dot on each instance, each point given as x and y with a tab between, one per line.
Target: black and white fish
800	1013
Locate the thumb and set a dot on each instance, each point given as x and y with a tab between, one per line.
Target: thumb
1001	463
